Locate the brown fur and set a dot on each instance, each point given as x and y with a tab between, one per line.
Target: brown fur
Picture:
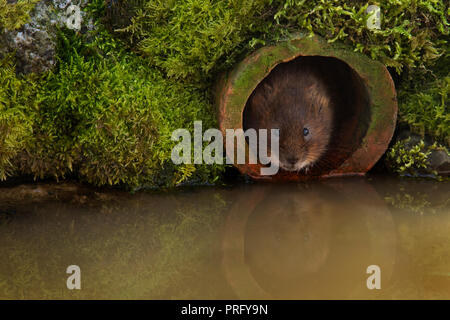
294	96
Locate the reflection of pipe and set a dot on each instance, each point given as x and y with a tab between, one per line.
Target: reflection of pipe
314	260
237	273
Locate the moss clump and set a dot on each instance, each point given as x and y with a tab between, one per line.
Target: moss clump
16	115
193	39
106	113
15	120
413	32
404	160
14	15
412	159
423	104
106	118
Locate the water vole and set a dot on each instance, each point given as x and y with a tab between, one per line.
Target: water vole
296	99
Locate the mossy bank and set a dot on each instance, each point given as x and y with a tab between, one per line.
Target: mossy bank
105	112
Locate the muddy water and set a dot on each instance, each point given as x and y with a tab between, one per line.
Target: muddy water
294	241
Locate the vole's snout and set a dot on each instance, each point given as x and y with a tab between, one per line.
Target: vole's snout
292	160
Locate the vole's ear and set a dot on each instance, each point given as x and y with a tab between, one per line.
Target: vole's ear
317	95
312	89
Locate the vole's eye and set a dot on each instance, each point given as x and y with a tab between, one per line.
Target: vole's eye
305	131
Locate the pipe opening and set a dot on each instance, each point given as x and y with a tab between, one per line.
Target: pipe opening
321	107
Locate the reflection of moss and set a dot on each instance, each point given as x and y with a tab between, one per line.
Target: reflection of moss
407	159
145	247
421	196
416	204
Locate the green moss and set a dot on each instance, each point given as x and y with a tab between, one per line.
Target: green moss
411	159
192	39
425	108
14	15
15	115
405	39
106	113
196	38
107	118
102	116
407	160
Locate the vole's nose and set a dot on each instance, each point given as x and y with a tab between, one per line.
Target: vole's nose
292	160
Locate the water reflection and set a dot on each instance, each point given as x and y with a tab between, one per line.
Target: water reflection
300	241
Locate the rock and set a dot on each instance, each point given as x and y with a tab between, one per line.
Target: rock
35	42
406	134
439	160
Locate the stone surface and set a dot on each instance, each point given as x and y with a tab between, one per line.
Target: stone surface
439	160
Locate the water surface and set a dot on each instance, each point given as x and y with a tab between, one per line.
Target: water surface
254	241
